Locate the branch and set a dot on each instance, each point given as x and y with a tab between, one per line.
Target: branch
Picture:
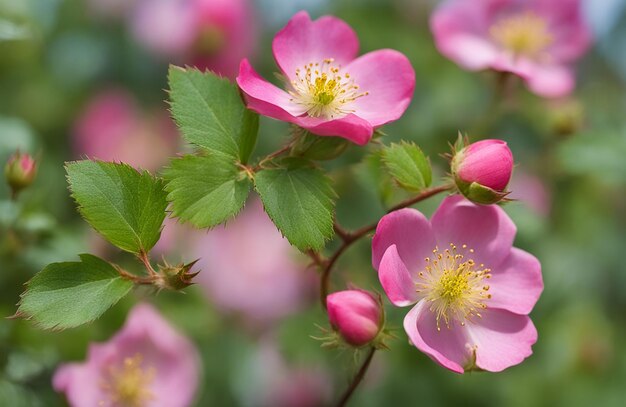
357	379
351	237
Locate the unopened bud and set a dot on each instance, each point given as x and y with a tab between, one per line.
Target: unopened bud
20	171
356	315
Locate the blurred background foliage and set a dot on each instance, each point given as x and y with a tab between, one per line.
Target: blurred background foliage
570	183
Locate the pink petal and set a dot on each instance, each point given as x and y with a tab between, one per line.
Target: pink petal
486	229
502	339
551	81
469	51
350	127
303	41
265	98
410	231
396	279
447	346
516	284
390	80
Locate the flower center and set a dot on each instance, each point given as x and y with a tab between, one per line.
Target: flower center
323	91
128	385
524	33
453	285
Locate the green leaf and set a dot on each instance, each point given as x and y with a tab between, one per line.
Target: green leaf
126	206
300	201
65	295
206	190
408	165
211	114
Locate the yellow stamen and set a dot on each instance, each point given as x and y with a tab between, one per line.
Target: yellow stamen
322	91
453	287
128	385
525	33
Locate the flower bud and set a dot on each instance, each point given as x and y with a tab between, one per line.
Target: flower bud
356	315
482	170
176	277
20	171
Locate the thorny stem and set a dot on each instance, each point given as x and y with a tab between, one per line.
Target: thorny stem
143	256
349	238
357	379
137	279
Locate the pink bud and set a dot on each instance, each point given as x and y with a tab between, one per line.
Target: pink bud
487	162
20	171
356	315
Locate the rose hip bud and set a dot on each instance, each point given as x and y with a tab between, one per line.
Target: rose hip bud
20	171
482	170
356	315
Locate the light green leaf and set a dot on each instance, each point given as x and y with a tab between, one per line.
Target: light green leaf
206	190
211	114
66	295
408	165
125	206
300	201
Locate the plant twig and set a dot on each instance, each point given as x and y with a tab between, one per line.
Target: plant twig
358	378
351	237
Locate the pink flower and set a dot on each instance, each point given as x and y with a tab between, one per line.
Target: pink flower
356	315
147	363
534	39
113	128
20	171
209	34
250	270
482	170
473	291
328	91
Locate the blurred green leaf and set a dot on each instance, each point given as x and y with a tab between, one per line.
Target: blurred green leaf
319	148
69	294
211	114
126	206
300	201
206	190
408	165
600	155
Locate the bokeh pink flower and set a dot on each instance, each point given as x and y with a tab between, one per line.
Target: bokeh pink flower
537	40
249	270
147	363
207	34
329	91
356	315
112	127
471	288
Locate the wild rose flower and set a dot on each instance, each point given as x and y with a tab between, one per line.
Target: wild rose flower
534	39
473	290
20	171
249	269
208	34
356	315
482	170
113	128
147	363
328	91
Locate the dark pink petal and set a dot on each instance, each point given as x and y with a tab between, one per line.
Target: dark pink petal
502	339
303	41
447	346
551	81
516	284
350	127
390	80
411	232
486	229
396	279
265	98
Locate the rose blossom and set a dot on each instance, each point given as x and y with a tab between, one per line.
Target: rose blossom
147	363
249	269
329	91
473	290
356	315
534	39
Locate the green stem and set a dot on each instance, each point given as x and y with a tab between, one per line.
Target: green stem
358	378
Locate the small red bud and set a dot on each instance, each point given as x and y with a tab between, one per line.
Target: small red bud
20	171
